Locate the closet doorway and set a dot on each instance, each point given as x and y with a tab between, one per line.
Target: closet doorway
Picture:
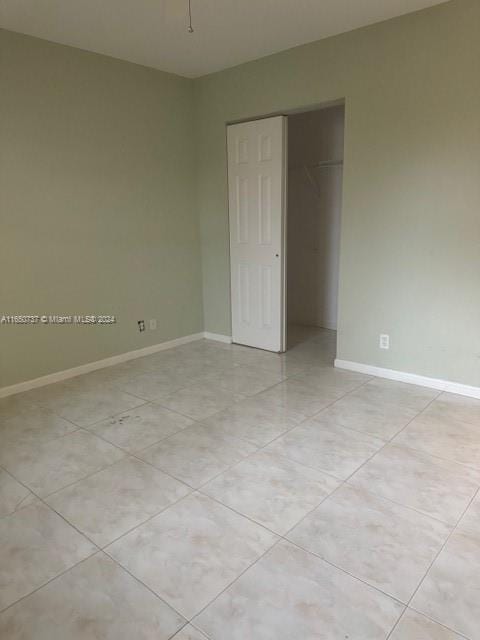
285	194
315	177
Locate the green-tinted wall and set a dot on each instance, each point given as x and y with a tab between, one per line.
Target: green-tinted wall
410	242
105	167
97	205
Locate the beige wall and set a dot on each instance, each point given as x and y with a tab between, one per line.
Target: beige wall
314	211
97	205
410	239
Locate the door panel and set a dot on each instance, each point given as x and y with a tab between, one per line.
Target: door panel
256	187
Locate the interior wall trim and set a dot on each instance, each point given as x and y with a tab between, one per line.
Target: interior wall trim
410	378
219	337
58	376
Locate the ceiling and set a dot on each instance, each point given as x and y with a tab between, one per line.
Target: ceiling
227	32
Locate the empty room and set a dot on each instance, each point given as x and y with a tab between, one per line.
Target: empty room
239	320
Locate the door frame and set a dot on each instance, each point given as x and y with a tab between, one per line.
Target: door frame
284	260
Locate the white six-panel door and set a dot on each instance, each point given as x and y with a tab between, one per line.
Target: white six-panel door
256	188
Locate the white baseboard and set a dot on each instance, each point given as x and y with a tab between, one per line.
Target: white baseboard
410	378
218	337
379	372
58	376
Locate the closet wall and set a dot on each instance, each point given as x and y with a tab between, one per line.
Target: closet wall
315	157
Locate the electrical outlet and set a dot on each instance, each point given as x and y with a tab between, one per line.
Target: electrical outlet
141	325
153	324
384	341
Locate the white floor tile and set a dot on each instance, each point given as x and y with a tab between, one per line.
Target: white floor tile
290	594
13	495
111	502
189	633
471	520
255	420
190	552
295	396
376	418
31	425
443	437
449	593
140	427
49	466
267	439
437	487
401	393
37	545
195	455
200	400
327	447
388	546
452	406
414	626
272	490
84	403
94	600
245	380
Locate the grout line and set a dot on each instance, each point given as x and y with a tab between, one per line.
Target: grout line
95	424
388	442
84	535
281	540
43	501
147	587
97	551
36	404
450	535
440	624
407	608
125	533
342	570
250	566
257	450
202	421
261	450
239	513
167	473
203	634
397	504
345	482
27	595
28	496
283	537
281	435
89	475
190	493
136	451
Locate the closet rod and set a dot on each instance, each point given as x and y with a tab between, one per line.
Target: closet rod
320	165
328	163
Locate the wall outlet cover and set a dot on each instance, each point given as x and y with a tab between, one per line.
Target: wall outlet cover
384	342
153	324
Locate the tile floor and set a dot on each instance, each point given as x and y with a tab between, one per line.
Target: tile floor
217	492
